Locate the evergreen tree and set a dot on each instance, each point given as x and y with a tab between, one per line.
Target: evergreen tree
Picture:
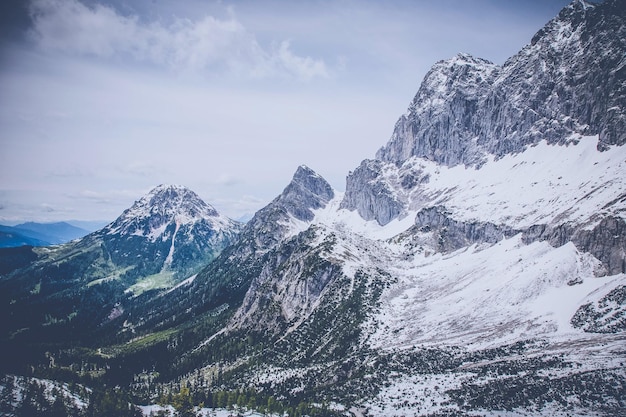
7	400
251	403
183	403
58	408
242	400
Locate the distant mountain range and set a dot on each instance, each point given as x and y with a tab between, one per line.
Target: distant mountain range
39	234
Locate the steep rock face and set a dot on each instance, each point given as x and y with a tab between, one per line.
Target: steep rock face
440	119
284	278
370	195
289	286
570	79
436	228
606	241
447	235
306	192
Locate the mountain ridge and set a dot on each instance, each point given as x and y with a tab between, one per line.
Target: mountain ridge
458	274
488	234
535	95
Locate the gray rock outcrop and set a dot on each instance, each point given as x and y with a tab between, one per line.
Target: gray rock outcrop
369	194
571	79
306	192
449	234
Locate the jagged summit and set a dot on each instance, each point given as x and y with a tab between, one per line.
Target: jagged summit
451	87
569	81
307	191
578	5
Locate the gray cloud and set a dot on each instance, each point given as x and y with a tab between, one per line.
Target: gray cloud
206	44
110	97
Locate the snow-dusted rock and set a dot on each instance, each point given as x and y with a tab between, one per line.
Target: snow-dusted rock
370	194
569	79
169	228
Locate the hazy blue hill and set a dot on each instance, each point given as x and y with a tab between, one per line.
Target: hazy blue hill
12	238
40	234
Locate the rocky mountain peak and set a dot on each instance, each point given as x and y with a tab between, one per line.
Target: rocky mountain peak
575	70
575	8
307	191
461	75
450	90
163	205
311	182
569	81
171	229
179	200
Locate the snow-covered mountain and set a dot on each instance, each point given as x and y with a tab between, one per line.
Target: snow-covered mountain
563	186
151	214
164	238
486	238
475	266
171	228
568	82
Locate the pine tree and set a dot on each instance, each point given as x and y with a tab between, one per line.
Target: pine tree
7	400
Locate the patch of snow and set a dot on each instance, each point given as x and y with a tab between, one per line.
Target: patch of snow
50	387
482	298
170	255
153	409
545	184
333	217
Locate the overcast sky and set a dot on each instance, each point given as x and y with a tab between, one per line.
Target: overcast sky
102	100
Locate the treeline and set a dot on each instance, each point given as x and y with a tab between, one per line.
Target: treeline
30	397
186	402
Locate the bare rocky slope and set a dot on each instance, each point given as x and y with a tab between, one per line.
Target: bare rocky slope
475	267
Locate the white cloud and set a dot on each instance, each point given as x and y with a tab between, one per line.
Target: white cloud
306	67
218	46
101	100
48	207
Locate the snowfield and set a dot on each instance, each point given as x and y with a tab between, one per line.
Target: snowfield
482	295
545	184
485	296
